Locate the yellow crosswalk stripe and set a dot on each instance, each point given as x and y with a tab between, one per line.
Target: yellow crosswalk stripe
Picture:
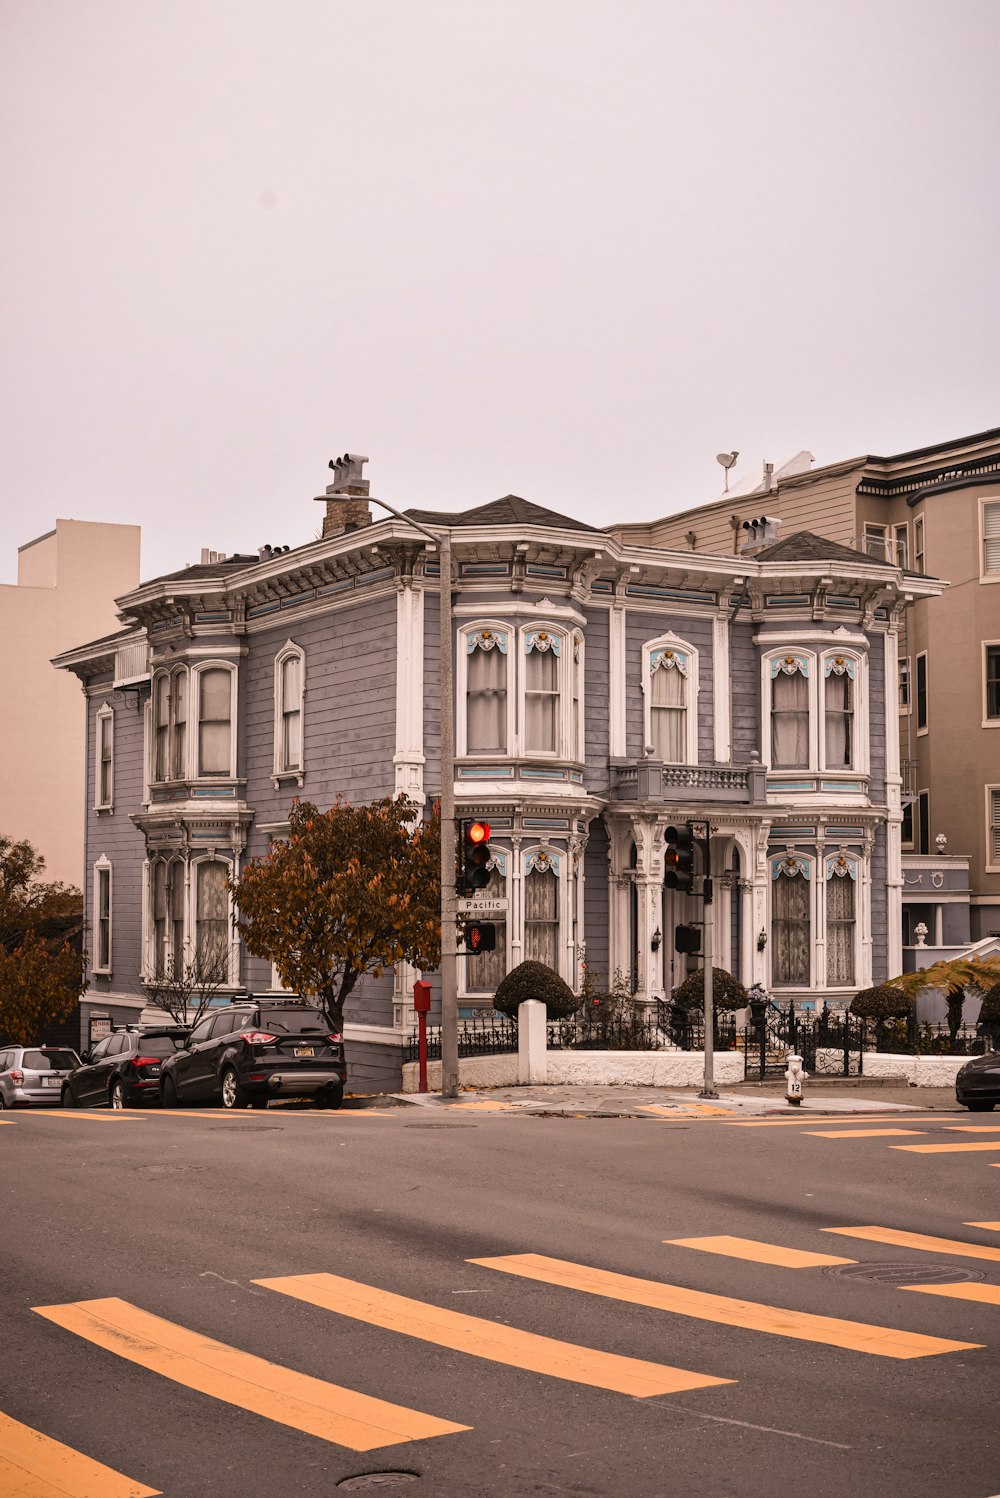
759	1253
991	1227
803	1121
35	1466
489	1339
8	1120
900	1239
857	1336
858	1133
988	1295
298	1400
973	1128
74	1115
948	1149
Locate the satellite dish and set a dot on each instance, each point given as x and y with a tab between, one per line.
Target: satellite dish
727	460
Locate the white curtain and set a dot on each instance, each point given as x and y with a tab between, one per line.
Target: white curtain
486	696
840	930
291	713
668	715
541	918
213	917
214	728
838	714
541	701
789	722
790	930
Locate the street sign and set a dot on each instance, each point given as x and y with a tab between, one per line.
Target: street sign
484	905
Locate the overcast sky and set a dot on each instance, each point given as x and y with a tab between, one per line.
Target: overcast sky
568	249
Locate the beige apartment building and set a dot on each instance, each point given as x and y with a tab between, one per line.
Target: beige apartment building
67	583
936	511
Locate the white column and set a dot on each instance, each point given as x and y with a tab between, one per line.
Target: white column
409	756
893	799
721	695
617	680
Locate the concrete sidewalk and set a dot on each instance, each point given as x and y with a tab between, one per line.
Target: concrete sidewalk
749	1100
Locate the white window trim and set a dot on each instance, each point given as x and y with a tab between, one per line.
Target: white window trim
904	526
670	641
766	680
812	868
182	673
984	503
861	742
578	678
191	914
919	545
189	868
497	627
921	655
559	860
905	710
991	865
194	719
101	867
564	706
858	878
882	529
987	721
104	714
908	844
283	774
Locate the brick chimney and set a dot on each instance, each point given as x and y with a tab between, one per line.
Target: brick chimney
346	499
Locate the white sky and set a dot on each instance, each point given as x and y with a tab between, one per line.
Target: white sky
568	249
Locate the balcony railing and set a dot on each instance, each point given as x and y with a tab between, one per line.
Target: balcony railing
649	780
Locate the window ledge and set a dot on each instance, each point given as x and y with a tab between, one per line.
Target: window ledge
110	811
288	777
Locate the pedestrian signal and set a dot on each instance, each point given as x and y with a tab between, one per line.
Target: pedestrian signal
678	857
480	936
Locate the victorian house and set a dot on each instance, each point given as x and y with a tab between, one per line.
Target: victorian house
605	689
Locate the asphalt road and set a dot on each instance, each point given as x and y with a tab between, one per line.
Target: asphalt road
178	1215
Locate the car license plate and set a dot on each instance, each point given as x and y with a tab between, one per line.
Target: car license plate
304	1050
50	1081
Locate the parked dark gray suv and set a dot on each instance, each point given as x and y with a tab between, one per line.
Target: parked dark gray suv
250	1052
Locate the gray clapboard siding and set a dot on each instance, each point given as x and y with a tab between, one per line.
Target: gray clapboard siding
432	693
876	719
879	908
117	838
596	698
744	662
643	626
595	902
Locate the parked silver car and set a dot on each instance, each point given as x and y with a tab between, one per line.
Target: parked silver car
34	1074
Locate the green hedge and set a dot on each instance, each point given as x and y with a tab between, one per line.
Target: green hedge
989	1014
727	992
533	980
885	1001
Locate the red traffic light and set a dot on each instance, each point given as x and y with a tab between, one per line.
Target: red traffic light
478	832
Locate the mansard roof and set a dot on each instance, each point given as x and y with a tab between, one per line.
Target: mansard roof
227	567
806	546
511	510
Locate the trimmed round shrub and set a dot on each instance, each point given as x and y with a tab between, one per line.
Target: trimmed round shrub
883	1002
989	1014
533	980
727	992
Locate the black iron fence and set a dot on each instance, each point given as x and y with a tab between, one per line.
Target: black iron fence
491	1036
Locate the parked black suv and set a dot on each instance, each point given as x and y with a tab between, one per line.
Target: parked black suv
252	1051
123	1069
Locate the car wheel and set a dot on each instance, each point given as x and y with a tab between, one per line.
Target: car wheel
233	1095
117	1098
980	1107
168	1094
331	1097
2	1101
67	1099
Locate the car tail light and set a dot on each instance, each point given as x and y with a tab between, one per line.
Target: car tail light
17	1077
258	1037
146	1060
335	1035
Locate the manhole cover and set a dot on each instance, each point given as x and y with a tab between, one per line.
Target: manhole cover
376	1480
906	1274
440	1126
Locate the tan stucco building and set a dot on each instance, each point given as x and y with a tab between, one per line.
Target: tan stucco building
67	582
935	510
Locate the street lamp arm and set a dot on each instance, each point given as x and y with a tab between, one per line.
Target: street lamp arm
433	535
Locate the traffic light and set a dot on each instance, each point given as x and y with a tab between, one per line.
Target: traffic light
480	936
687	939
678	857
475	855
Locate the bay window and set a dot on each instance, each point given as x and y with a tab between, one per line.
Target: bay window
790	713
214	720
189	920
520	691
541	692
486	692
212	918
169	716
838	712
841	878
541	909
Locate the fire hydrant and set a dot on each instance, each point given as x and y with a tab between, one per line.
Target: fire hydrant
794	1077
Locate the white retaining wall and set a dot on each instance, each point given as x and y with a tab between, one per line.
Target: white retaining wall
590	1069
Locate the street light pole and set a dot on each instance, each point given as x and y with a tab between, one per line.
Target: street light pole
449	954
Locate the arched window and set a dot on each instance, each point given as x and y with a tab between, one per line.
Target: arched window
167	899
843	704
486	667
484	971
841	919
289	697
212	919
170	690
670	691
215	697
543	651
541	908
790	739
791	922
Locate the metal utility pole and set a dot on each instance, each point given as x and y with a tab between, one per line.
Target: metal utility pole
709	1089
449	953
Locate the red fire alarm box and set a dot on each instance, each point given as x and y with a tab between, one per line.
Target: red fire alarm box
422	997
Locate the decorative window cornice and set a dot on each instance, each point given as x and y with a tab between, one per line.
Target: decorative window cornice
498	861
486	639
542	639
790	866
668	659
541	861
841	866
789	664
840	665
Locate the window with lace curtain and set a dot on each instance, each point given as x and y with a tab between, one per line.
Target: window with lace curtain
212	918
484	971
542	659
840	922
167	892
838	712
486	691
791	927
541	911
790	713
670	690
